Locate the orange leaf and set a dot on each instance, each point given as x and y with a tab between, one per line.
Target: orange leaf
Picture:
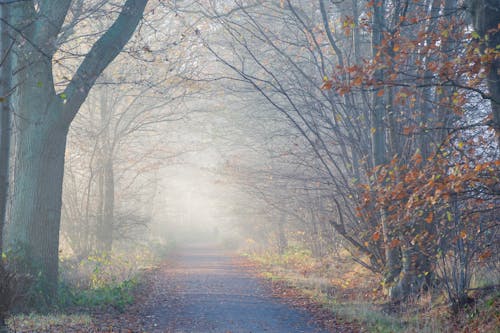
429	218
417	157
327	85
376	236
485	255
432	66
358	80
352	69
463	234
380	93
394	243
407	130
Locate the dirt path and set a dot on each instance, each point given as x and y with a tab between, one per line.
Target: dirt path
205	290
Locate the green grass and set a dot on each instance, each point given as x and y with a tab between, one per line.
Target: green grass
107	280
117	295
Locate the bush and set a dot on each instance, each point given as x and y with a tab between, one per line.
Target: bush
105	279
11	286
117	295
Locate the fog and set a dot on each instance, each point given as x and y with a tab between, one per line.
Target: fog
191	202
306	133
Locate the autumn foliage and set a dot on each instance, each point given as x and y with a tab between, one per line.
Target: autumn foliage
436	198
394	107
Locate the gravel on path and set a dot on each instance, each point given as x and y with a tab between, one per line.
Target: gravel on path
204	290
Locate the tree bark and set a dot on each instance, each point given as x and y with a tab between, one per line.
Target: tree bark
486	17
3	325
5	117
282	239
37	193
107	181
105	235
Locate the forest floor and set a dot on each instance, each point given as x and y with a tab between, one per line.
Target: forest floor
200	288
204	288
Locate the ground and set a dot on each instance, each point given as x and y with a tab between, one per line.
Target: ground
199	288
204	288
207	289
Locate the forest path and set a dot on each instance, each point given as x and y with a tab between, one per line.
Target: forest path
206	289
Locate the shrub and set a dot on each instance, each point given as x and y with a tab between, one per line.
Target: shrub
11	286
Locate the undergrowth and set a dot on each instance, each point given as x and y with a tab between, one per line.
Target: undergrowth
103	279
48	323
355	294
117	295
96	282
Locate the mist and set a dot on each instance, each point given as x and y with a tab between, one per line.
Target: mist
167	159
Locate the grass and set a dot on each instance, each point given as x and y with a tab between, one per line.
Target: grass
367	314
117	295
97	283
354	294
48	323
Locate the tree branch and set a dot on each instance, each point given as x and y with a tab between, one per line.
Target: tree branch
51	18
104	51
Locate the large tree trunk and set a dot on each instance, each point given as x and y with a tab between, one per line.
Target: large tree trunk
37	201
486	17
39	162
5	121
37	193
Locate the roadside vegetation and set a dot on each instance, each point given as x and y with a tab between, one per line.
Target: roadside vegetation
355	294
93	292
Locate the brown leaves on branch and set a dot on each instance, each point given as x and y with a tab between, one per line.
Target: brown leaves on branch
426	189
426	52
327	85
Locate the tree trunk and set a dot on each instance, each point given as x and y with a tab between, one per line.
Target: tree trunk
416	263
416	273
105	235
379	151
486	16
282	240
3	325
100	207
5	121
37	194
107	191
39	163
